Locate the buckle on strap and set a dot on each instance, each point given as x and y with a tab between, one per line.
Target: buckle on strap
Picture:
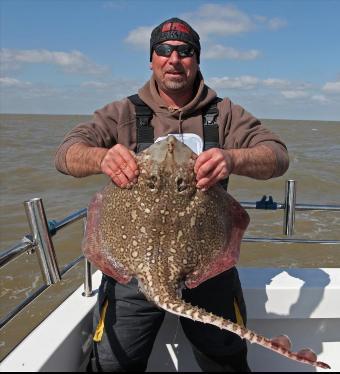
209	116
209	119
143	121
143	112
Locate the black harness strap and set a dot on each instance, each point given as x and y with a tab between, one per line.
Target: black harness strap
210	126
145	135
211	131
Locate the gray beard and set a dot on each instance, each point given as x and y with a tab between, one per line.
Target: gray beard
174	85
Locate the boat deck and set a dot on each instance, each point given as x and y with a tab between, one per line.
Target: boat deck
302	303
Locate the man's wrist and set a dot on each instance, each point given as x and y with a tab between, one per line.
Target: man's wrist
230	160
101	153
83	160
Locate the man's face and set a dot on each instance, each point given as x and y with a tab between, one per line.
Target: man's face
174	73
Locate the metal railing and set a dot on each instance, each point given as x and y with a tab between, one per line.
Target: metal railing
28	244
289	207
40	239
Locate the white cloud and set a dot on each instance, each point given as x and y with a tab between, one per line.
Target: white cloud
270	98
332	87
220	52
276	23
320	98
276	83
288	89
284	84
226	20
115	87
294	94
12	82
223	20
249	82
271	23
140	37
48	98
70	62
213	21
94	84
275	87
244	82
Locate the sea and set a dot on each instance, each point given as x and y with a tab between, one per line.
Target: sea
27	147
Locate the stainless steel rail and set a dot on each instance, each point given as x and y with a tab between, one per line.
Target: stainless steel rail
41	240
42	231
250	205
334	208
73	217
88	274
26	244
286	240
41	237
289	213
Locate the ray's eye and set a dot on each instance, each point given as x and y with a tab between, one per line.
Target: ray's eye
151	183
181	185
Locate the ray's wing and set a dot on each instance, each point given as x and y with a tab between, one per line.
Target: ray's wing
93	245
235	221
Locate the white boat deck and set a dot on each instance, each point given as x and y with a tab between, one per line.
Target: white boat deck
301	303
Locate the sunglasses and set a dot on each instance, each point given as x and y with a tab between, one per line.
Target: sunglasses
183	50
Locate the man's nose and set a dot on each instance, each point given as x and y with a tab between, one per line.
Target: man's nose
174	57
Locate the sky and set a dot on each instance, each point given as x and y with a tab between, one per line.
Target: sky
275	58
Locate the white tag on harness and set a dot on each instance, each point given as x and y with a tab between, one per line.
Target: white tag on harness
193	141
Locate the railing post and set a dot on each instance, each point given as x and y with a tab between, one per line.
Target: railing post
289	212
88	273
88	279
42	239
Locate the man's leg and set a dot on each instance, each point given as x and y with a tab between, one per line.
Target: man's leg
215	349
126	326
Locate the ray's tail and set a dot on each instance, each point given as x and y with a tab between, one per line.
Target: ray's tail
280	345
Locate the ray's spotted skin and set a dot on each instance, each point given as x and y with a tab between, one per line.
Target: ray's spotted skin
164	231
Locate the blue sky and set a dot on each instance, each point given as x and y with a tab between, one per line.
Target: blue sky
276	58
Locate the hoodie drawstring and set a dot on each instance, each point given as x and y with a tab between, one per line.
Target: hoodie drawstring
180	121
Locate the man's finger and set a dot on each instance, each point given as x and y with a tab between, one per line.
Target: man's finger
201	159
119	159
119	178
129	159
212	178
207	168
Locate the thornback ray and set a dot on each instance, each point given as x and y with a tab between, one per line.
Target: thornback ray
165	232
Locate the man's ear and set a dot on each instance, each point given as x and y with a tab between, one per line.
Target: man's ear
150	65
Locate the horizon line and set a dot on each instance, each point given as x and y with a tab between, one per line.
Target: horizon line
91	114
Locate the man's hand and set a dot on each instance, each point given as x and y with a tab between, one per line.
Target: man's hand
257	162
120	165
212	166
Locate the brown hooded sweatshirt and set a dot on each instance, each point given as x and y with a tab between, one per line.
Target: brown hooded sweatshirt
116	123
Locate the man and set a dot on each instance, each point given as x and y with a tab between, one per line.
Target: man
126	323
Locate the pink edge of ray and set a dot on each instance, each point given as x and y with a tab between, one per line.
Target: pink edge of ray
93	244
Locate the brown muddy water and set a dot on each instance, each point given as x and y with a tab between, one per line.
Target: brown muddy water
27	146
